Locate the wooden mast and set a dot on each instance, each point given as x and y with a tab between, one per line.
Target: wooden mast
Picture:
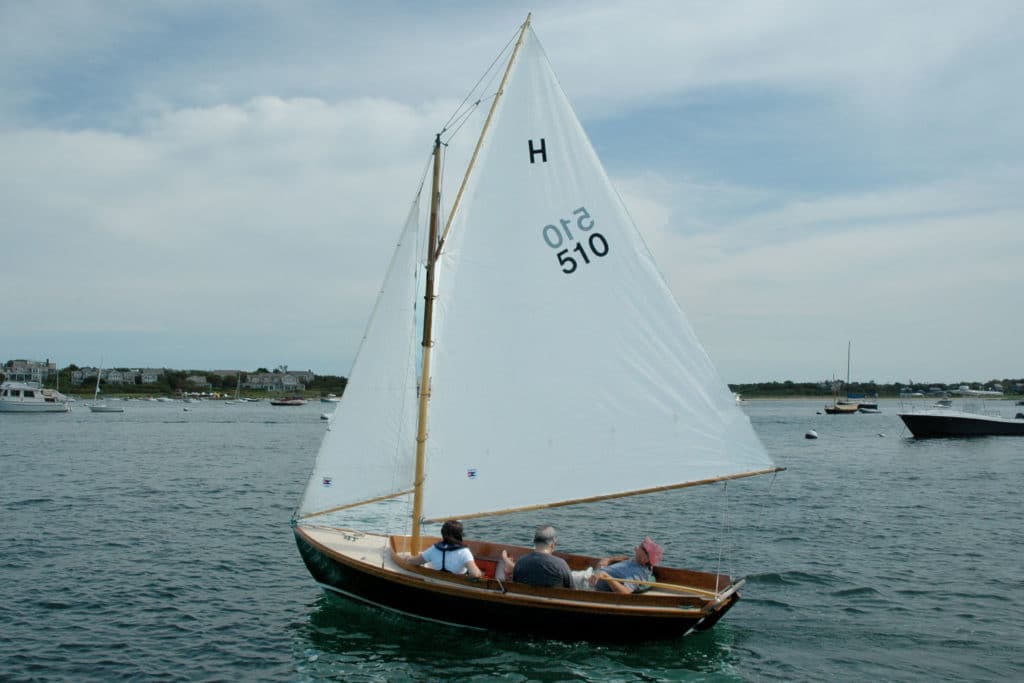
428	322
433	251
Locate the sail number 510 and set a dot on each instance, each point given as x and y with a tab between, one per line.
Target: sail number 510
575	246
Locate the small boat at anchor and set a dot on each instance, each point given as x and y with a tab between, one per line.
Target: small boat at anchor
288	401
945	422
843	406
31	397
842	409
96	406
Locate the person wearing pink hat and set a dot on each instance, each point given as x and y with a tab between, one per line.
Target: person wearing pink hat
627	574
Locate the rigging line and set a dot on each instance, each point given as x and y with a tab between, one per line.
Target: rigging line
330	424
725	533
764	503
482	98
441	211
461	122
483	132
472	90
393	515
469	113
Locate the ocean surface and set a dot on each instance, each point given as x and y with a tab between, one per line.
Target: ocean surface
155	545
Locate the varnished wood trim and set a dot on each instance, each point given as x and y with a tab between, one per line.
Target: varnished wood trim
491	590
483	133
610	496
355	505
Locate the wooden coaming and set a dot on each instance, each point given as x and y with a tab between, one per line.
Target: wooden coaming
363	567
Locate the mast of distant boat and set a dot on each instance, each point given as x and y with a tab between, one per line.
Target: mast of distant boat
848	344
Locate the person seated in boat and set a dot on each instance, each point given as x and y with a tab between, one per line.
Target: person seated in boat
622	574
448	554
541	567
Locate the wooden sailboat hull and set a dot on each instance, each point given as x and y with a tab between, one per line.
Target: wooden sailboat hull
367	573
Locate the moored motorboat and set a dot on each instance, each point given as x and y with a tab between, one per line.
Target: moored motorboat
947	422
31	397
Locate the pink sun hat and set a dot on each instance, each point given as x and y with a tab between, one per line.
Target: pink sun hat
653	550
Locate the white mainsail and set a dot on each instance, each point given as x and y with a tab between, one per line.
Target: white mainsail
558	369
370	447
563	369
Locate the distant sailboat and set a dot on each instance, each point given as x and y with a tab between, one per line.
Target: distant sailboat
238	391
840	406
98	407
556	368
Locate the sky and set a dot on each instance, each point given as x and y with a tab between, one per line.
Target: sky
219	184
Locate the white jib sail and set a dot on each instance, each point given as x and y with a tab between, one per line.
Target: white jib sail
563	368
369	449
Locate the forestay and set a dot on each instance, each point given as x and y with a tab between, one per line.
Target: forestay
563	369
369	449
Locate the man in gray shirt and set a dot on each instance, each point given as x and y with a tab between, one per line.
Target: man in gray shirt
541	567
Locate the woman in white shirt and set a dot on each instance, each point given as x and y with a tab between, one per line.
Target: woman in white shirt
448	554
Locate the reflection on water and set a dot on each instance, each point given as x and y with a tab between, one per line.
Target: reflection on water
343	639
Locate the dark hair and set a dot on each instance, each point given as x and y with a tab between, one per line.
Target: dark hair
451	531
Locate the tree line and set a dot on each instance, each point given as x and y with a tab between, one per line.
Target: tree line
173	382
789	389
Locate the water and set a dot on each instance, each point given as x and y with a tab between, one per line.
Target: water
155	544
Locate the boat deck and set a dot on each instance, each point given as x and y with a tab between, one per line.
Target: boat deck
680	586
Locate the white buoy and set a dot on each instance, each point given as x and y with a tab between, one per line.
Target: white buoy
325	416
811	434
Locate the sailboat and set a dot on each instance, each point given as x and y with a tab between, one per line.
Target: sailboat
98	407
550	365
863	403
842	406
238	391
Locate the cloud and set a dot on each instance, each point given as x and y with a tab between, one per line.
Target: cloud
210	209
932	267
804	172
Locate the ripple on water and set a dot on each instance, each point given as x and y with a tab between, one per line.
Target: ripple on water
158	548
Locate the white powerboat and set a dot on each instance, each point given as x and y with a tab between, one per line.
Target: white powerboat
943	420
31	397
